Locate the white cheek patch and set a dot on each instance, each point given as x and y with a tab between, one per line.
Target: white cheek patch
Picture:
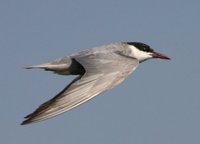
140	55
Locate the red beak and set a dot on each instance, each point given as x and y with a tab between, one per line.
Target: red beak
159	55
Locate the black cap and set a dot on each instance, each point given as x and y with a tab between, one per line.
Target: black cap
141	46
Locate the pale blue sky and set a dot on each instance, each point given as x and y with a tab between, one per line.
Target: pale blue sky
158	104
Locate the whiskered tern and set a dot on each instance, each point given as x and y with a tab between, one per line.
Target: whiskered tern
99	69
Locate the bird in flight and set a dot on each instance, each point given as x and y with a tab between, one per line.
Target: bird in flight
98	70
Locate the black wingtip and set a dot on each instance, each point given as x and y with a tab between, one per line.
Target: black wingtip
28	121
25	122
28	116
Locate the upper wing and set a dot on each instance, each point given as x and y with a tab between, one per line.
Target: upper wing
102	73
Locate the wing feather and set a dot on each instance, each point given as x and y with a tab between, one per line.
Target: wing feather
101	74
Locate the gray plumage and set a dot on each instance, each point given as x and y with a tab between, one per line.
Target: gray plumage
99	69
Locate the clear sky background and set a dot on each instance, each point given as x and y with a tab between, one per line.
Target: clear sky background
158	104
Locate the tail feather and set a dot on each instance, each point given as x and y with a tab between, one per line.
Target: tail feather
48	66
62	69
42	66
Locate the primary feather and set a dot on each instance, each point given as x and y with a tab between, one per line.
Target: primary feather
100	71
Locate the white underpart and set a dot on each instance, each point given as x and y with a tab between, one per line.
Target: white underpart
140	55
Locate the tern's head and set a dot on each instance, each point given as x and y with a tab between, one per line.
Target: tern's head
144	52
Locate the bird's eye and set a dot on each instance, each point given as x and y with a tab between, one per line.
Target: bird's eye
147	49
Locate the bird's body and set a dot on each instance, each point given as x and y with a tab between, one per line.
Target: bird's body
99	69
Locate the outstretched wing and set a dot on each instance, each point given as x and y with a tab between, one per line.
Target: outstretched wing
103	71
